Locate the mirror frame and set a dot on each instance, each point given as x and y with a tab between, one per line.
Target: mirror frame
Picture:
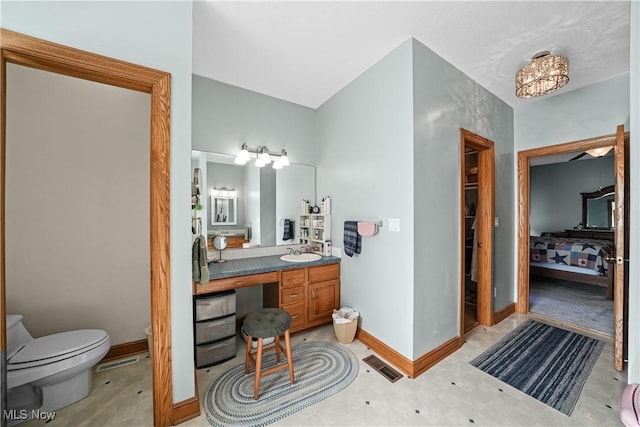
233	208
591	196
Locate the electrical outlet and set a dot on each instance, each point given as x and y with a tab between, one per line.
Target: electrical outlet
496	222
394	224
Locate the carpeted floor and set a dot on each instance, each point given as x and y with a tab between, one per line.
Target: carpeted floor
574	303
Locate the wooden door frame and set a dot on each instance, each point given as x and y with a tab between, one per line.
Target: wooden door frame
524	206
485	214
43	55
524	203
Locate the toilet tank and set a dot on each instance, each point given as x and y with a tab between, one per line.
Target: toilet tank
17	334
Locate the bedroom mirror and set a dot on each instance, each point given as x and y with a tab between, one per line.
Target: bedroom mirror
598	208
262	199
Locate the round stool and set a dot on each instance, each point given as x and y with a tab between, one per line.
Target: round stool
267	323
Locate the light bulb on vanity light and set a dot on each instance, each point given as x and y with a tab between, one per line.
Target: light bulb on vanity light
284	160
263	155
243	156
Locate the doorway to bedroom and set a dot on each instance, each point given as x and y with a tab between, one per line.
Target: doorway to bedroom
571	235
571	229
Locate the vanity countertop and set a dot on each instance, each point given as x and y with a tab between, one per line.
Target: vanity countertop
265	264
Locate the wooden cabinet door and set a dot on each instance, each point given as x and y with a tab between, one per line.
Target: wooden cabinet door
324	297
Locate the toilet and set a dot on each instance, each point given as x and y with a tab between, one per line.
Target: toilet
50	372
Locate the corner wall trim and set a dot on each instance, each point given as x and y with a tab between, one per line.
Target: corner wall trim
502	314
186	410
411	368
126	349
189	408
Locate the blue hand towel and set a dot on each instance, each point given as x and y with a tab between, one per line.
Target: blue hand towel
351	238
288	230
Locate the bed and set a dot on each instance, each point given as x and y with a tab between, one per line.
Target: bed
577	259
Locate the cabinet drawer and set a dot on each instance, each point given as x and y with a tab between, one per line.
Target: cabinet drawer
218	352
292	294
296	311
293	277
216	329
324	272
235	282
216	305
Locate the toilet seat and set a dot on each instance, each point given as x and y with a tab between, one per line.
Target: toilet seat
56	347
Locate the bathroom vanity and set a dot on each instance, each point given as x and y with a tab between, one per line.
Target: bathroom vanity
308	291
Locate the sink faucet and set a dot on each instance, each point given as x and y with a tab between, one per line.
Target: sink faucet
293	251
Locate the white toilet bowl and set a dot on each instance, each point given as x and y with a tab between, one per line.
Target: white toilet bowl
51	372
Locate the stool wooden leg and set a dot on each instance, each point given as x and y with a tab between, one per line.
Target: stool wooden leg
256	385
278	347
247	355
287	342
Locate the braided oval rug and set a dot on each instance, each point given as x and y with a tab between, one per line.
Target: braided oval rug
321	370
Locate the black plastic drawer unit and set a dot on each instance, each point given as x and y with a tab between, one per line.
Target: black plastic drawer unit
214	329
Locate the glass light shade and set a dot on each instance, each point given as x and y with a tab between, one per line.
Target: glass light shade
599	152
284	160
277	164
259	162
263	155
545	74
243	156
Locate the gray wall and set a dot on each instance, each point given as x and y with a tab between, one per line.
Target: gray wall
556	203
224	116
155	34
446	100
588	112
365	163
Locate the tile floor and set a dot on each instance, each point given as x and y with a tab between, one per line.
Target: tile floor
452	393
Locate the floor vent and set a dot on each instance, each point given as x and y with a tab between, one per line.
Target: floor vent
117	363
384	369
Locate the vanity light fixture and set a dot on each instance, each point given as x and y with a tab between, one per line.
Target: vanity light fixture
262	156
544	74
600	151
224	192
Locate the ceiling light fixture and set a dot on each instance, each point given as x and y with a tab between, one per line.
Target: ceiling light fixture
262	156
544	74
600	151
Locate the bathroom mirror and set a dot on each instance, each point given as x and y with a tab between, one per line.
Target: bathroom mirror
223	210
264	198
598	208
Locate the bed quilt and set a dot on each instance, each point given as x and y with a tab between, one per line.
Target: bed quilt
585	253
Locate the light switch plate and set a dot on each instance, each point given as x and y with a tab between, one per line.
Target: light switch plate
496	221
394	224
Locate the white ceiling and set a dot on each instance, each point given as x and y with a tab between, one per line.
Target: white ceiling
306	51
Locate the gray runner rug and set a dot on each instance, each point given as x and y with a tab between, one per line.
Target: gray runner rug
547	363
321	370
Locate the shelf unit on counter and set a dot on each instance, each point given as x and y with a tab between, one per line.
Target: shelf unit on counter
315	230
